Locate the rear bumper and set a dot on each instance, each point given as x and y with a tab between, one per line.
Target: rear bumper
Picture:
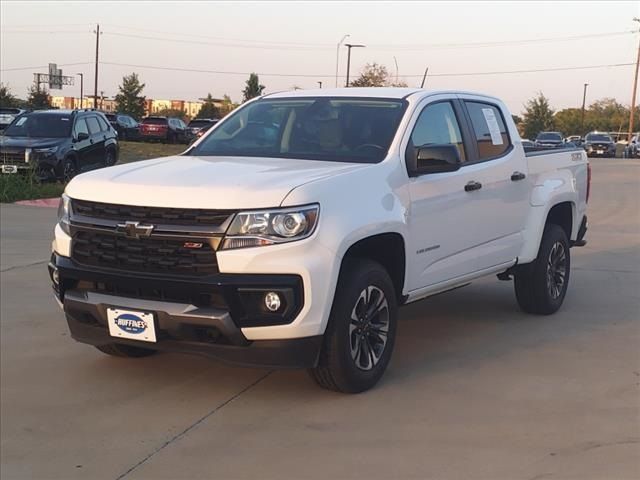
213	330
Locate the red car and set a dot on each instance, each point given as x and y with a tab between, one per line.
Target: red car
167	129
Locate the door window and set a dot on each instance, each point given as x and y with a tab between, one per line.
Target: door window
103	125
438	125
489	128
80	127
94	126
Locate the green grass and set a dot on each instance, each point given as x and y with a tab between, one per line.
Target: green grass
14	187
134	151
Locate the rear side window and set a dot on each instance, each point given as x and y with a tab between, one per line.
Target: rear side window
490	130
103	124
94	126
438	125
154	121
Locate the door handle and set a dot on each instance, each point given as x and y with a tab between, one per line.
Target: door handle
472	185
515	176
91	141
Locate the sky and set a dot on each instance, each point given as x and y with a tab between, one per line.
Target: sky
279	40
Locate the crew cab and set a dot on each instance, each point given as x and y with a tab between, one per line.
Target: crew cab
291	232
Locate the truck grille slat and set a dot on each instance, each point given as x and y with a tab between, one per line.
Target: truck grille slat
145	255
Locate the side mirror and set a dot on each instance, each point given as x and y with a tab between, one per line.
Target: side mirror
433	159
82	136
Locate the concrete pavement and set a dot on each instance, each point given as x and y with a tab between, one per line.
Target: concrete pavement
476	389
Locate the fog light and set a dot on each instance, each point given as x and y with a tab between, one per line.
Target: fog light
272	301
55	277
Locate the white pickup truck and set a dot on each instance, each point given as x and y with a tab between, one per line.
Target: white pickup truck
291	232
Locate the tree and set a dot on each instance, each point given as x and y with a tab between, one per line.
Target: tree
538	116
569	122
208	109
252	88
38	98
227	105
7	99
130	100
372	75
375	75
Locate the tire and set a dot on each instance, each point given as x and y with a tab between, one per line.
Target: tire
128	351
69	169
347	363
110	158
541	286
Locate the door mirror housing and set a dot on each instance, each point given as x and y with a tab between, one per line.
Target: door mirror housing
82	136
433	159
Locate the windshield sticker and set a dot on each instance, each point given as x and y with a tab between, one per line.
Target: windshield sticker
494	128
64	119
21	121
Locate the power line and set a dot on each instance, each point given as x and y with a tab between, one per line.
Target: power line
36	32
308	75
42	66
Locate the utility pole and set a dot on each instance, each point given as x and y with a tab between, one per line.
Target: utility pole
424	77
584	100
349	47
319	84
95	85
81	87
396	61
338	56
633	95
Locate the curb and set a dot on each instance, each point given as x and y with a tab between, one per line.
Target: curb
41	202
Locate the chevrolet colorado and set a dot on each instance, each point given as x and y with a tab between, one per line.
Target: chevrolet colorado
291	232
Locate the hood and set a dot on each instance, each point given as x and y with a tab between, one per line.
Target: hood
203	182
26	142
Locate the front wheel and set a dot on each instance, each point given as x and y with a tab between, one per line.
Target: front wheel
69	169
361	332
542	285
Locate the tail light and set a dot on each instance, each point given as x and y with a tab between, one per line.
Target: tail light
588	181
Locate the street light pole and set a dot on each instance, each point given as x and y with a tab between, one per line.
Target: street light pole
349	47
635	87
81	87
338	56
584	99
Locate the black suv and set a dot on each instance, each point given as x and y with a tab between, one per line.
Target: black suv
599	145
58	144
125	125
549	140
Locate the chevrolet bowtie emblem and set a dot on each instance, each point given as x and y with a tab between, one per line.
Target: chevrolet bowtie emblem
135	230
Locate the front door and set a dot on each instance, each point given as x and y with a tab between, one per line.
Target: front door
98	139
82	144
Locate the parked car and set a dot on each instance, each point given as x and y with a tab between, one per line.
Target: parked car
58	144
125	125
575	140
199	126
549	140
7	115
291	233
632	149
528	144
599	145
168	129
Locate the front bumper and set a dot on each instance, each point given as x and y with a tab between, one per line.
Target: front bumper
182	322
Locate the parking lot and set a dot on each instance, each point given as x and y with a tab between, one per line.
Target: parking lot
476	389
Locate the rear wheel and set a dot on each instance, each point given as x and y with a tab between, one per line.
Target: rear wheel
361	332
542	285
119	350
109	158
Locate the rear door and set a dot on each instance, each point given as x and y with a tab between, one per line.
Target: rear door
98	138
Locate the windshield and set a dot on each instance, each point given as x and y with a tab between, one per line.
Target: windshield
154	121
550	136
324	128
200	123
595	137
43	125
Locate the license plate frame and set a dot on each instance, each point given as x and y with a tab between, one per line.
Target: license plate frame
131	324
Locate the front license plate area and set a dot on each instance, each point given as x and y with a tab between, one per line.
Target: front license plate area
9	169
131	324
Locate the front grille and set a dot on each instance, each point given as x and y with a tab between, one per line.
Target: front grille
12	158
144	255
167	216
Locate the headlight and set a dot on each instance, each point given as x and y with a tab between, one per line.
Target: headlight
268	227
45	152
64	213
